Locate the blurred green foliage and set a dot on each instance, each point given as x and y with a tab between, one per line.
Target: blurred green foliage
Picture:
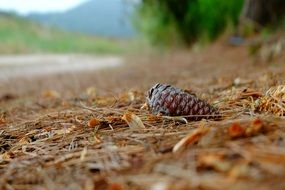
18	35
171	22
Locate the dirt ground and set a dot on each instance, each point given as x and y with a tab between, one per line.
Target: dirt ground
15	66
65	131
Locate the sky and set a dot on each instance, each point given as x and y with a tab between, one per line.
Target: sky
41	6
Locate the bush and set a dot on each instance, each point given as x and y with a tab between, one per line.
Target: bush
168	22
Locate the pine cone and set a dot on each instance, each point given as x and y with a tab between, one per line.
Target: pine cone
168	100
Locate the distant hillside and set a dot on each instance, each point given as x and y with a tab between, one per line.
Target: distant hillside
100	17
18	35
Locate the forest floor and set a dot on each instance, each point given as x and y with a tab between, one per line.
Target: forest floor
66	131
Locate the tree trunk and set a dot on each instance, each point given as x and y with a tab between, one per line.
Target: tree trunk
263	12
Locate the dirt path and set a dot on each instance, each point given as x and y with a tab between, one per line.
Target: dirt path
34	65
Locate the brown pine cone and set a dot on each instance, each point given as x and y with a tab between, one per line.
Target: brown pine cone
168	100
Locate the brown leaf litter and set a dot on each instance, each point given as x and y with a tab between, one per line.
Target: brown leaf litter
98	137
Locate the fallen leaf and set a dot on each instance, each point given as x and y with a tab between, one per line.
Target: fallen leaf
134	122
112	119
189	139
91	92
236	130
115	186
93	122
132	96
215	161
257	122
2	120
50	94
254	128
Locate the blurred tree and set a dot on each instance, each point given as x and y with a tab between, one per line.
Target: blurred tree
263	12
169	22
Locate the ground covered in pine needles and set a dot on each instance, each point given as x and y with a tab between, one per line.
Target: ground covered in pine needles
84	130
